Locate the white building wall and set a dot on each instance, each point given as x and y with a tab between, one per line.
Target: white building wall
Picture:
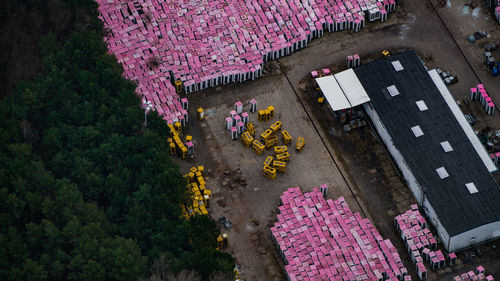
411	181
433	218
396	155
475	236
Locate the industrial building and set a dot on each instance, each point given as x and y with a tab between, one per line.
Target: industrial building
442	160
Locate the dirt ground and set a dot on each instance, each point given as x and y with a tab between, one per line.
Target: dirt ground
354	165
464	17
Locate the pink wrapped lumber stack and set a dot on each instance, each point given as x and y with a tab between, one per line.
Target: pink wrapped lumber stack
497	9
420	242
479	274
205	43
324	240
479	93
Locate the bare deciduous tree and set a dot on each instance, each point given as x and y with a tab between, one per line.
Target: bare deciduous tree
161	271
221	276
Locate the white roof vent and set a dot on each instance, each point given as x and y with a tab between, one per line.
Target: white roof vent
446	146
442	172
393	91
471	187
397	65
417	131
421	105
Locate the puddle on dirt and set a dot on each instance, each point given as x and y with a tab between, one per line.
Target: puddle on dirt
475	12
465	10
407	25
209	111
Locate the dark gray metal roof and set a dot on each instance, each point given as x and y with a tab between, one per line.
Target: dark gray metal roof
457	209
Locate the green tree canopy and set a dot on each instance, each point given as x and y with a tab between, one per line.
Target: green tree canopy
87	193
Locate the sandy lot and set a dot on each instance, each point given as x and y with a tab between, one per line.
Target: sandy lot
354	165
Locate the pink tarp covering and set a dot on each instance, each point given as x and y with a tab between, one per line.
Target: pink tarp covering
318	238
205	43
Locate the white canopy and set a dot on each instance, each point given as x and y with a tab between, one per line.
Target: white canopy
333	93
352	88
343	90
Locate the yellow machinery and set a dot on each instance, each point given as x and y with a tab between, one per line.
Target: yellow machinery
280	149
283	157
280	166
269	172
193	170
180	148
199	194
271	141
177	140
195	202
258	147
287	139
178	86
172	130
271	112
172	149
184	212
190	177
246	139
268	114
202	188
251	128
206	199
386	53
198	174
236	275
202	208
207	192
321	100
201	113
262	115
184	152
300	144
268	161
267	134
220	242
194	186
200	180
276	126
178	127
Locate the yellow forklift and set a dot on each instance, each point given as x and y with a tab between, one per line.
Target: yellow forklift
269	172
283	157
280	166
287	139
258	147
300	144
250	128
276	126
